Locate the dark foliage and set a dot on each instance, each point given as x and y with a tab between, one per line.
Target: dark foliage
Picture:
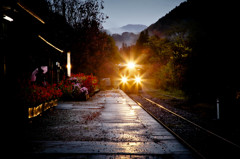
92	50
210	31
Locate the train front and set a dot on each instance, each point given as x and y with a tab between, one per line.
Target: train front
130	77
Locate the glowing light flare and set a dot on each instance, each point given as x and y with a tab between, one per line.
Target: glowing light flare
69	64
138	79
124	79
7	18
131	65
133	59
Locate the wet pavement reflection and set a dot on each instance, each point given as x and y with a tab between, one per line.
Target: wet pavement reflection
109	124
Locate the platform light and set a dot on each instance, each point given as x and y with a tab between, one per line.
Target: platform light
68	64
7	18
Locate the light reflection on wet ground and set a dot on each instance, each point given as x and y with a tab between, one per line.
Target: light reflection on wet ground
108	123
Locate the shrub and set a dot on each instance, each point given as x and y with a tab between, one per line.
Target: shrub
32	94
78	86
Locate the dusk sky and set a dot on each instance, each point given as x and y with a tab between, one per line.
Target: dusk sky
147	12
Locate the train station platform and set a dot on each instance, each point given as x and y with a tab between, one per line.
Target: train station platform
109	125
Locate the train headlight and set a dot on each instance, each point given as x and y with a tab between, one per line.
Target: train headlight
131	65
138	79
124	79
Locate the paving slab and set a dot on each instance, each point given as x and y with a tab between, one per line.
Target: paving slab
99	147
108	125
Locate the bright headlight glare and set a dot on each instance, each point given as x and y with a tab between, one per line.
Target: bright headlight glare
124	79
131	65
138	79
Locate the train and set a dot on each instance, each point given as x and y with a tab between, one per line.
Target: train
131	77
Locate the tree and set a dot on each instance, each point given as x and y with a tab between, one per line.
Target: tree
143	39
167	57
91	48
80	13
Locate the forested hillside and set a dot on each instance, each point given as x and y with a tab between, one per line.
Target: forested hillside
194	48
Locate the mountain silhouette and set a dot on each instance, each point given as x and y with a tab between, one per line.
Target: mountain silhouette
132	28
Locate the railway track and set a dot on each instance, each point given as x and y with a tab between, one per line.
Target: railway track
203	142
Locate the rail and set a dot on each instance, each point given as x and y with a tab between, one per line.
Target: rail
200	155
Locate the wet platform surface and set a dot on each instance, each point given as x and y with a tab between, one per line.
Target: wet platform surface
109	125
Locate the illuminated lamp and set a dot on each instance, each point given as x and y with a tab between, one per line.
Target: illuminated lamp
69	64
7	18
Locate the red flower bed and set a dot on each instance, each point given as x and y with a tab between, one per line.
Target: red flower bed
78	86
88	81
33	95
